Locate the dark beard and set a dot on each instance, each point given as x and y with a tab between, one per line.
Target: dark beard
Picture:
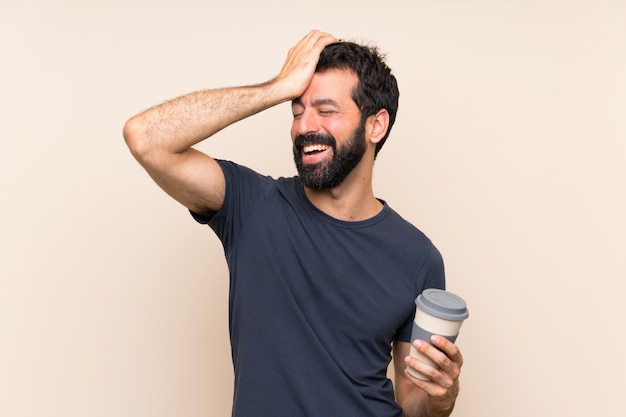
329	174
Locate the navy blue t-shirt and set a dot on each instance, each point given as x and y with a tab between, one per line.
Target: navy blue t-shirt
315	302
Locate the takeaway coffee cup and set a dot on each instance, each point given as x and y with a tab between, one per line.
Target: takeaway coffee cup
437	312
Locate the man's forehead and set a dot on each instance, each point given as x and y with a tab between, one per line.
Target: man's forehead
329	88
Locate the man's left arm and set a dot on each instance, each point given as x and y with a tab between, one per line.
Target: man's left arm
435	398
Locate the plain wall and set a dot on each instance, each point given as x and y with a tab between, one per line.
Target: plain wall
508	152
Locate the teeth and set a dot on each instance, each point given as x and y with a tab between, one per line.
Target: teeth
314	148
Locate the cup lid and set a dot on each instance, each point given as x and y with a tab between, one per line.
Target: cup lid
443	304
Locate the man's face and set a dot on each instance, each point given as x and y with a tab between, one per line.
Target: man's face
327	132
328	173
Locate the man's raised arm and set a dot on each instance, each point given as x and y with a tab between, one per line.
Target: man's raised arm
162	137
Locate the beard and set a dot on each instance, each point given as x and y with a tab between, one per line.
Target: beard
329	174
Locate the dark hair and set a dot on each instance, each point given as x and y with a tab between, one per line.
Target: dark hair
377	87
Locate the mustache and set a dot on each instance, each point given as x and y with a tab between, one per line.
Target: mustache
315	138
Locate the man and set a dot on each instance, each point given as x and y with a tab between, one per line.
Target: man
323	275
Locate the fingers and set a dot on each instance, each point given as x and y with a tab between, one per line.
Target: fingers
307	51
321	39
451	350
443	371
302	58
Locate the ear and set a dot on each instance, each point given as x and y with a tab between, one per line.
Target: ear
377	125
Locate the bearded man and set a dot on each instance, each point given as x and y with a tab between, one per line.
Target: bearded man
323	275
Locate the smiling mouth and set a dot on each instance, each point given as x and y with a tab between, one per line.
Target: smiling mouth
314	148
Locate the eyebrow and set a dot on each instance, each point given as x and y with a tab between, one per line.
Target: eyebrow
318	102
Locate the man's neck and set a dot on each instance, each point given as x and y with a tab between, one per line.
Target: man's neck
352	200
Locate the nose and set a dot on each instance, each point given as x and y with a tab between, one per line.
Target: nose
305	123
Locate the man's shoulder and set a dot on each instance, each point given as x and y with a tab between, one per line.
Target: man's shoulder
234	168
402	222
248	183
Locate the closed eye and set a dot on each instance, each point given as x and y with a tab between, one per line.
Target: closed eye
297	108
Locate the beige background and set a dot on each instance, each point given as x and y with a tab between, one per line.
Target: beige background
508	152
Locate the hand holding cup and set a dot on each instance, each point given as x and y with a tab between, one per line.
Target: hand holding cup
437	312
